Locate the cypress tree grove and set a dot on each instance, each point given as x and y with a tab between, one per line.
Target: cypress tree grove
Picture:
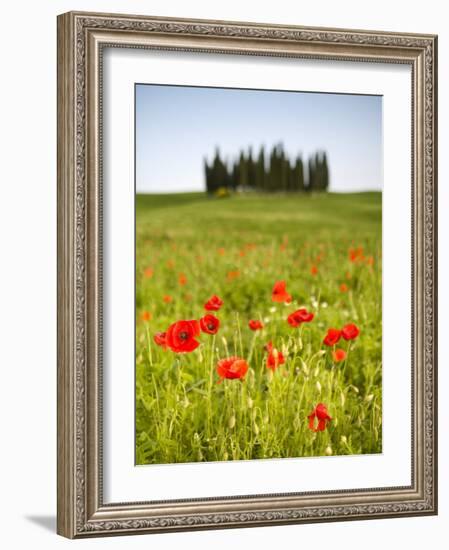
279	173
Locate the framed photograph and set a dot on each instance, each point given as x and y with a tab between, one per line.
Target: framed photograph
247	274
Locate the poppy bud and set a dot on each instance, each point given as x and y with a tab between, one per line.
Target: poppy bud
255	429
342	399
231	422
304	366
250	403
328	450
344	439
251	377
369	398
318	386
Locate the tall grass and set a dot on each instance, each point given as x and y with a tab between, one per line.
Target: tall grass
189	247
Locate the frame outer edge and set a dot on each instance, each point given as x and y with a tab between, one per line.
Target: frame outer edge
435	269
66	287
76	312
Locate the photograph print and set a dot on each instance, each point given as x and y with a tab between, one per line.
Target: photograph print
258	278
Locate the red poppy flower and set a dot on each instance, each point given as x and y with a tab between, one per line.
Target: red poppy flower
182	279
356	254
232	368
319	413
332	337
299	316
181	335
233	275
213	304
167	299
148	272
279	293
343	287
255	325
160	339
209	324
339	355
145	316
350	332
274	358
313	270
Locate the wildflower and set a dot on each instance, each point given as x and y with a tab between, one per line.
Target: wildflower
213	304
274	358
279	293
167	299
232	368
313	270
299	316
233	275
344	287
339	355
255	324
145	316
182	279
356	254
350	332
209	324
180	336
332	337
148	272
160	339
321	414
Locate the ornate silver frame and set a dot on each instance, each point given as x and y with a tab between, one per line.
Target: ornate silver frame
81	39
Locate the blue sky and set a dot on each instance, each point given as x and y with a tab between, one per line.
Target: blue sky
178	126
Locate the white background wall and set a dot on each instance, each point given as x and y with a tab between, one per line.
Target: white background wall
28	271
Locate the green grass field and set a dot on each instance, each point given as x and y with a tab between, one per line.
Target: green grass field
327	248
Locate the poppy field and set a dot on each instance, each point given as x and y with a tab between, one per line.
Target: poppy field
258	326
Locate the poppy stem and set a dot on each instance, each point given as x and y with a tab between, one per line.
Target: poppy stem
251	349
209	392
239	332
348	349
150	355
